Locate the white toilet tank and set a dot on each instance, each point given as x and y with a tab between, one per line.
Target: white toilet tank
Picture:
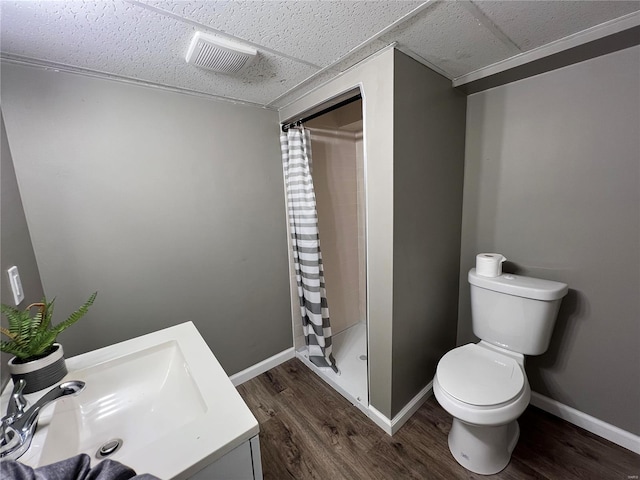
515	312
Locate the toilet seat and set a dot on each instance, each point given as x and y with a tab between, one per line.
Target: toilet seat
479	376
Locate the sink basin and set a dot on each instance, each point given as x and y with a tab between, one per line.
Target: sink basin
164	396
153	386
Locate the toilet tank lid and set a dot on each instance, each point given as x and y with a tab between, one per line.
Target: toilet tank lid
520	286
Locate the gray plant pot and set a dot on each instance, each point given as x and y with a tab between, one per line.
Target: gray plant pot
40	373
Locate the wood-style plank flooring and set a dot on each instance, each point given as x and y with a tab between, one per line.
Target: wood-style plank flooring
308	431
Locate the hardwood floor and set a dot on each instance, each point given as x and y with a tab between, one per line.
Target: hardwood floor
308	431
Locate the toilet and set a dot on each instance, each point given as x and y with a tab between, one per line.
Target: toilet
484	385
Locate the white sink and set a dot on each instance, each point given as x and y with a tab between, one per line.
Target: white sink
164	395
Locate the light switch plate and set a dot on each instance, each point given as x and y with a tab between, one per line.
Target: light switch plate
16	285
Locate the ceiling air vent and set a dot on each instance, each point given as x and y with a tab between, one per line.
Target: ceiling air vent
219	54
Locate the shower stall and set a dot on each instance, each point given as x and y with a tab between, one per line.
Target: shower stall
388	172
338	162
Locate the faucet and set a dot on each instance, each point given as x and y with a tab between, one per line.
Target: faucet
18	426
15	409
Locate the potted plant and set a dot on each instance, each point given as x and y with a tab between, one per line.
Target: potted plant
38	359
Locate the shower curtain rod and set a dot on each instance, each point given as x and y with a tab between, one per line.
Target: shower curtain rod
287	126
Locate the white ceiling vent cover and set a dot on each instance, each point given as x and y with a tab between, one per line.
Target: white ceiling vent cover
219	54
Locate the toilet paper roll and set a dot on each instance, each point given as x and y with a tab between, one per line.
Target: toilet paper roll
489	264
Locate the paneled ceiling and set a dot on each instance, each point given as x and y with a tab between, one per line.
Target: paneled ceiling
301	44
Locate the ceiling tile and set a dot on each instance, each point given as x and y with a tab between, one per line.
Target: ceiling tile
448	36
320	32
147	39
129	41
531	24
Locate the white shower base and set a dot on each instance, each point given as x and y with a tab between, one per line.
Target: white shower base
352	379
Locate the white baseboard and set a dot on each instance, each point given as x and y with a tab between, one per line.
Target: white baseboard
391	426
379	419
605	430
259	368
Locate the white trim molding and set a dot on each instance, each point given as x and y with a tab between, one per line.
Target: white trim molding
605	430
391	426
87	72
379	419
261	367
580	38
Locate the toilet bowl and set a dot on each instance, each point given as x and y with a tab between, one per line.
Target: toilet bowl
485	391
484	386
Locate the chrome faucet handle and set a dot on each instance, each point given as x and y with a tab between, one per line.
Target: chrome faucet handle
15	409
17	402
17	431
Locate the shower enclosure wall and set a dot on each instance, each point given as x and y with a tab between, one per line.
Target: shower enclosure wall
338	180
414	137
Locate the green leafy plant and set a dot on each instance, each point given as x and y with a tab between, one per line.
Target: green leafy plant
33	335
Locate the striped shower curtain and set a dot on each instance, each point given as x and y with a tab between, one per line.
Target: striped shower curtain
305	241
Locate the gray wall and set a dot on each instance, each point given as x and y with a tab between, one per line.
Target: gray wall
15	242
552	176
169	205
428	159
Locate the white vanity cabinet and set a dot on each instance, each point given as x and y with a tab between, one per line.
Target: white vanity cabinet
241	463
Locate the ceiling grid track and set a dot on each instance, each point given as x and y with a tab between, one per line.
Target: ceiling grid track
485	21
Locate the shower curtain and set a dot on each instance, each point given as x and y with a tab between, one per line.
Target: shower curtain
305	241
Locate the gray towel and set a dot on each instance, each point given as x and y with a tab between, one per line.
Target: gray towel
74	468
